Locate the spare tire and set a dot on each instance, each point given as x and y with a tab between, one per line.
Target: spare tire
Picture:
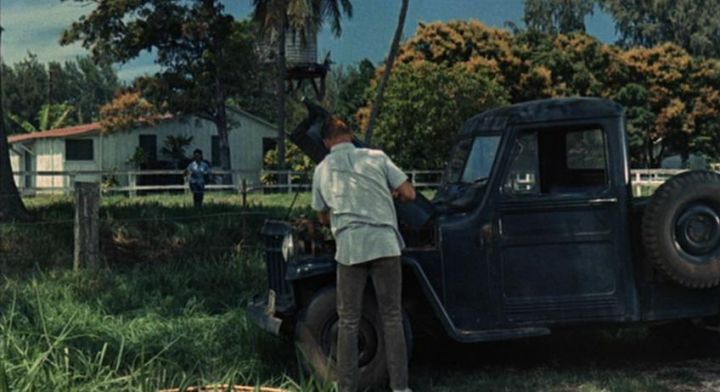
681	229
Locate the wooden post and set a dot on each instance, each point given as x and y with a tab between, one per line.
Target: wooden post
132	183
71	185
87	225
289	181
244	192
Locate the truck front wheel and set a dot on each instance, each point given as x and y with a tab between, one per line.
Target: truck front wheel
316	340
681	229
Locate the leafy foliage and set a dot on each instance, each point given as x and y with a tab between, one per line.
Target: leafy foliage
692	24
32	88
557	16
50	117
206	56
129	110
672	99
175	146
426	104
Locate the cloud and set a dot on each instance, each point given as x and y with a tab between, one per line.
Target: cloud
35	26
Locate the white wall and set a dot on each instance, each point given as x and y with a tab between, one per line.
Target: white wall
48	156
246	140
15	165
112	152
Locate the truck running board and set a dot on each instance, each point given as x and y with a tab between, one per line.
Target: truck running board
490	335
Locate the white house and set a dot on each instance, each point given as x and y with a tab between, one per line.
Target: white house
85	148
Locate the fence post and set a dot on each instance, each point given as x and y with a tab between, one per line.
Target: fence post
87	214
289	181
243	189
132	183
71	186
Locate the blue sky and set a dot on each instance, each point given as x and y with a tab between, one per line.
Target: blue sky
35	26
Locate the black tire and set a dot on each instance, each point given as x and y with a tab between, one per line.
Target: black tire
316	337
681	229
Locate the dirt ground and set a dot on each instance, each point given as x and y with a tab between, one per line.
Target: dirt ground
678	357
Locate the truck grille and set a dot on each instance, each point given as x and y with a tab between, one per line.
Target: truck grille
273	233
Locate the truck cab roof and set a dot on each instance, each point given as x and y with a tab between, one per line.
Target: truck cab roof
545	110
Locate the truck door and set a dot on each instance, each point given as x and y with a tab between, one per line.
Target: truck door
560	228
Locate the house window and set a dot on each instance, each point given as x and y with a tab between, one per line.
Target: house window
269	144
215	151
558	162
79	150
148	143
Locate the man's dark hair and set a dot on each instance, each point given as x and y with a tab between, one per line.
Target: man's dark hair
335	127
197	151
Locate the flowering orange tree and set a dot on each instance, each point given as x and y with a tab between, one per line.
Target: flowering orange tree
672	99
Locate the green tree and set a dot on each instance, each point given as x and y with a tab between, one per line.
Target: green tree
426	105
11	205
80	84
691	24
352	88
25	86
671	98
205	56
557	16
278	18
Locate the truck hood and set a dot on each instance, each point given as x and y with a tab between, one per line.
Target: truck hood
307	136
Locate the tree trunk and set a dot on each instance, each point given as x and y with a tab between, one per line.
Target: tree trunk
388	70
11	205
281	74
221	124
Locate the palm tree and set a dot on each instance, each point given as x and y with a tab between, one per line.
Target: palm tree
300	17
386	75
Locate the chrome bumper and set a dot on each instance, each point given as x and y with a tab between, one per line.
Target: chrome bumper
261	311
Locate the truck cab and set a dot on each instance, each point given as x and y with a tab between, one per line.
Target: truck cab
534	226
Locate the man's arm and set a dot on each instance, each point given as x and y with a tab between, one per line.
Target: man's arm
401	188
324	217
405	192
318	202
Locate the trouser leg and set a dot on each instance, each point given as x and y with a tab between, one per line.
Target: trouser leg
198	193
350	287
386	275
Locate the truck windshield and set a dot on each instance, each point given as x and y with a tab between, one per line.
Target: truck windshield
472	159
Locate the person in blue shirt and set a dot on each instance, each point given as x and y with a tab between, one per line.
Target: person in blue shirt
198	172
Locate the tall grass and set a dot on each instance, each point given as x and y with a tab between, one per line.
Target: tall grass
137	328
166	311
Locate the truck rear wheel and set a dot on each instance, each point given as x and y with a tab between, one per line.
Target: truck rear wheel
316	340
681	229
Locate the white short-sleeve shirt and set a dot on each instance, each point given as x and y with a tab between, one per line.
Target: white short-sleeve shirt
355	185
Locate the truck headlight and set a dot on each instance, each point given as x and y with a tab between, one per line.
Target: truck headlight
288	247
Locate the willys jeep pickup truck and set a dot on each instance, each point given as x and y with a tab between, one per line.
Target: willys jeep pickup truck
534	227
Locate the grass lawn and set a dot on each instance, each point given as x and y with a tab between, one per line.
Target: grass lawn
168	311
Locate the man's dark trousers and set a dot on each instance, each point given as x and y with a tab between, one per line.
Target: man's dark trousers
198	192
386	275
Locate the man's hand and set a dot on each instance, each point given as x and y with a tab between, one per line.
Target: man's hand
324	217
405	192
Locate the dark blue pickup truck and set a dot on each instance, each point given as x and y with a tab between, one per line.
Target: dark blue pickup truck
534	227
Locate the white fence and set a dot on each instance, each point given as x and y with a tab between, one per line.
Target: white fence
61	182
129	182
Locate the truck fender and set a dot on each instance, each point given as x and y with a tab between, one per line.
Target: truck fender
308	269
326	267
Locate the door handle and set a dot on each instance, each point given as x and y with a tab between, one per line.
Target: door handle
486	233
601	201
